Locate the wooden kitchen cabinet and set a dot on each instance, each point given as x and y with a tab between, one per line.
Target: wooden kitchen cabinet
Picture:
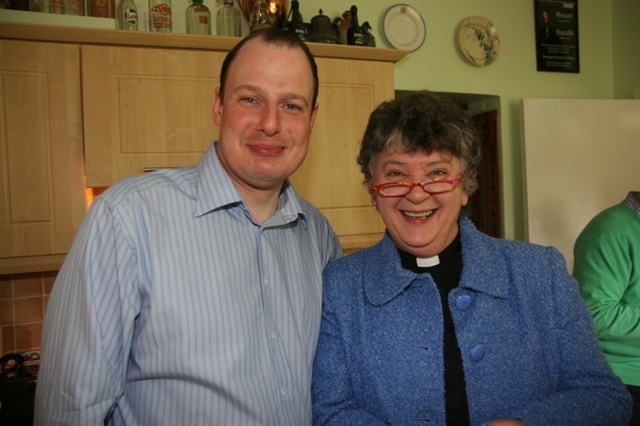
140	100
42	192
330	178
147	108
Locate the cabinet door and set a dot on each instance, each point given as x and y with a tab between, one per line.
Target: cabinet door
330	177
145	108
42	195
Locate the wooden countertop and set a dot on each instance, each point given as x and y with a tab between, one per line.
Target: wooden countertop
52	33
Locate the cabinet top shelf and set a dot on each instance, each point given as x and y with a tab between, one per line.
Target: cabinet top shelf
51	33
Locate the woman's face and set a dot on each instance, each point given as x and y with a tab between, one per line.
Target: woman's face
419	223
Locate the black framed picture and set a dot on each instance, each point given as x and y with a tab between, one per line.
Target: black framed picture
557	43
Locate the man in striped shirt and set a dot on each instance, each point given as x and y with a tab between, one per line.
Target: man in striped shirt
192	296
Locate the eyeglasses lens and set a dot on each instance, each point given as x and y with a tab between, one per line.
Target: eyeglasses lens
430	187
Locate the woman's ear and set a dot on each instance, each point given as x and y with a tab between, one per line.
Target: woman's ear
373	194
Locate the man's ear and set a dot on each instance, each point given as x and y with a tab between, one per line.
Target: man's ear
216	112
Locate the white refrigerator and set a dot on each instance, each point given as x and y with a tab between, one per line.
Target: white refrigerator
579	157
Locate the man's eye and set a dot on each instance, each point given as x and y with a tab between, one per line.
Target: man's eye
293	107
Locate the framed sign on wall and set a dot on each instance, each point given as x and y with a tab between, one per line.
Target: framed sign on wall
557	43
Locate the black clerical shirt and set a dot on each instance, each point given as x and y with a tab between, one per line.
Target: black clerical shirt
447	276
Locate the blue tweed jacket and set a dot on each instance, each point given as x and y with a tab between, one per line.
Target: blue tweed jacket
528	345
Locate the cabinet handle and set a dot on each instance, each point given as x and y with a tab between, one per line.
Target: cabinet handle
153	169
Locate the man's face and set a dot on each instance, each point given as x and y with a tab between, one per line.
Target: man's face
266	119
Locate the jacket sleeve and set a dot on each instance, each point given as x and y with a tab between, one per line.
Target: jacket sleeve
334	400
586	391
86	328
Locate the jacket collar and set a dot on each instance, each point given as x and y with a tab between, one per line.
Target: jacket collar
483	269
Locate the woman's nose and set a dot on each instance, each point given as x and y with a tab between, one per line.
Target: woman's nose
417	194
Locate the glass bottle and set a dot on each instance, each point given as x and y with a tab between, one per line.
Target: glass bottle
160	16
355	34
228	22
127	15
198	18
296	24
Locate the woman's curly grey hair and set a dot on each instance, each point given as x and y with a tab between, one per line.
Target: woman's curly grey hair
422	122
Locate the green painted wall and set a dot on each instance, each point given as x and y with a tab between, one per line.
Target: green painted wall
609	34
626	48
605	72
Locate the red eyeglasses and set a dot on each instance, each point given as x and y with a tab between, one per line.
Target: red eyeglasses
433	186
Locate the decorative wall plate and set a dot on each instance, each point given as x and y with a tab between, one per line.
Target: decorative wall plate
404	27
479	40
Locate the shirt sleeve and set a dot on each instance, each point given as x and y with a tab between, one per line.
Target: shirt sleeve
603	267
88	322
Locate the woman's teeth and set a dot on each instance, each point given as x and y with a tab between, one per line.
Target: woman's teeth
422	215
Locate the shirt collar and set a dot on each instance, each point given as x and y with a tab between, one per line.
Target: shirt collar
215	190
633	202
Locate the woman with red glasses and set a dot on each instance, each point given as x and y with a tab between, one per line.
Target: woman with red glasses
440	324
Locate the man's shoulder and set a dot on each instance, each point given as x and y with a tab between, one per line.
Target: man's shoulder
149	182
609	219
311	213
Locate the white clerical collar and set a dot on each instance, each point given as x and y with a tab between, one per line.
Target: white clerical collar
427	262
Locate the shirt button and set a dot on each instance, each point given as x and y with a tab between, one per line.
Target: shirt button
266	282
463	302
283	392
478	353
273	336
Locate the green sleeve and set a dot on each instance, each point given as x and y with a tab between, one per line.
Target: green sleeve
605	253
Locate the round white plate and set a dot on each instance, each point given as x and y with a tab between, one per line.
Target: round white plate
479	40
404	27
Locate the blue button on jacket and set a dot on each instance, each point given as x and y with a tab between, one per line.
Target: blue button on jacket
528	346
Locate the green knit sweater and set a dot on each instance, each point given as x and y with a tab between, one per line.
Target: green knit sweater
607	267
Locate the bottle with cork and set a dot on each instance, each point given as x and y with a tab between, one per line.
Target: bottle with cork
296	24
355	34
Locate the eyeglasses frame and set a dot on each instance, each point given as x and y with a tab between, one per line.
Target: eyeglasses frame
379	187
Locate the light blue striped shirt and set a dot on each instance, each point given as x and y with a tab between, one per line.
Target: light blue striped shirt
174	307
